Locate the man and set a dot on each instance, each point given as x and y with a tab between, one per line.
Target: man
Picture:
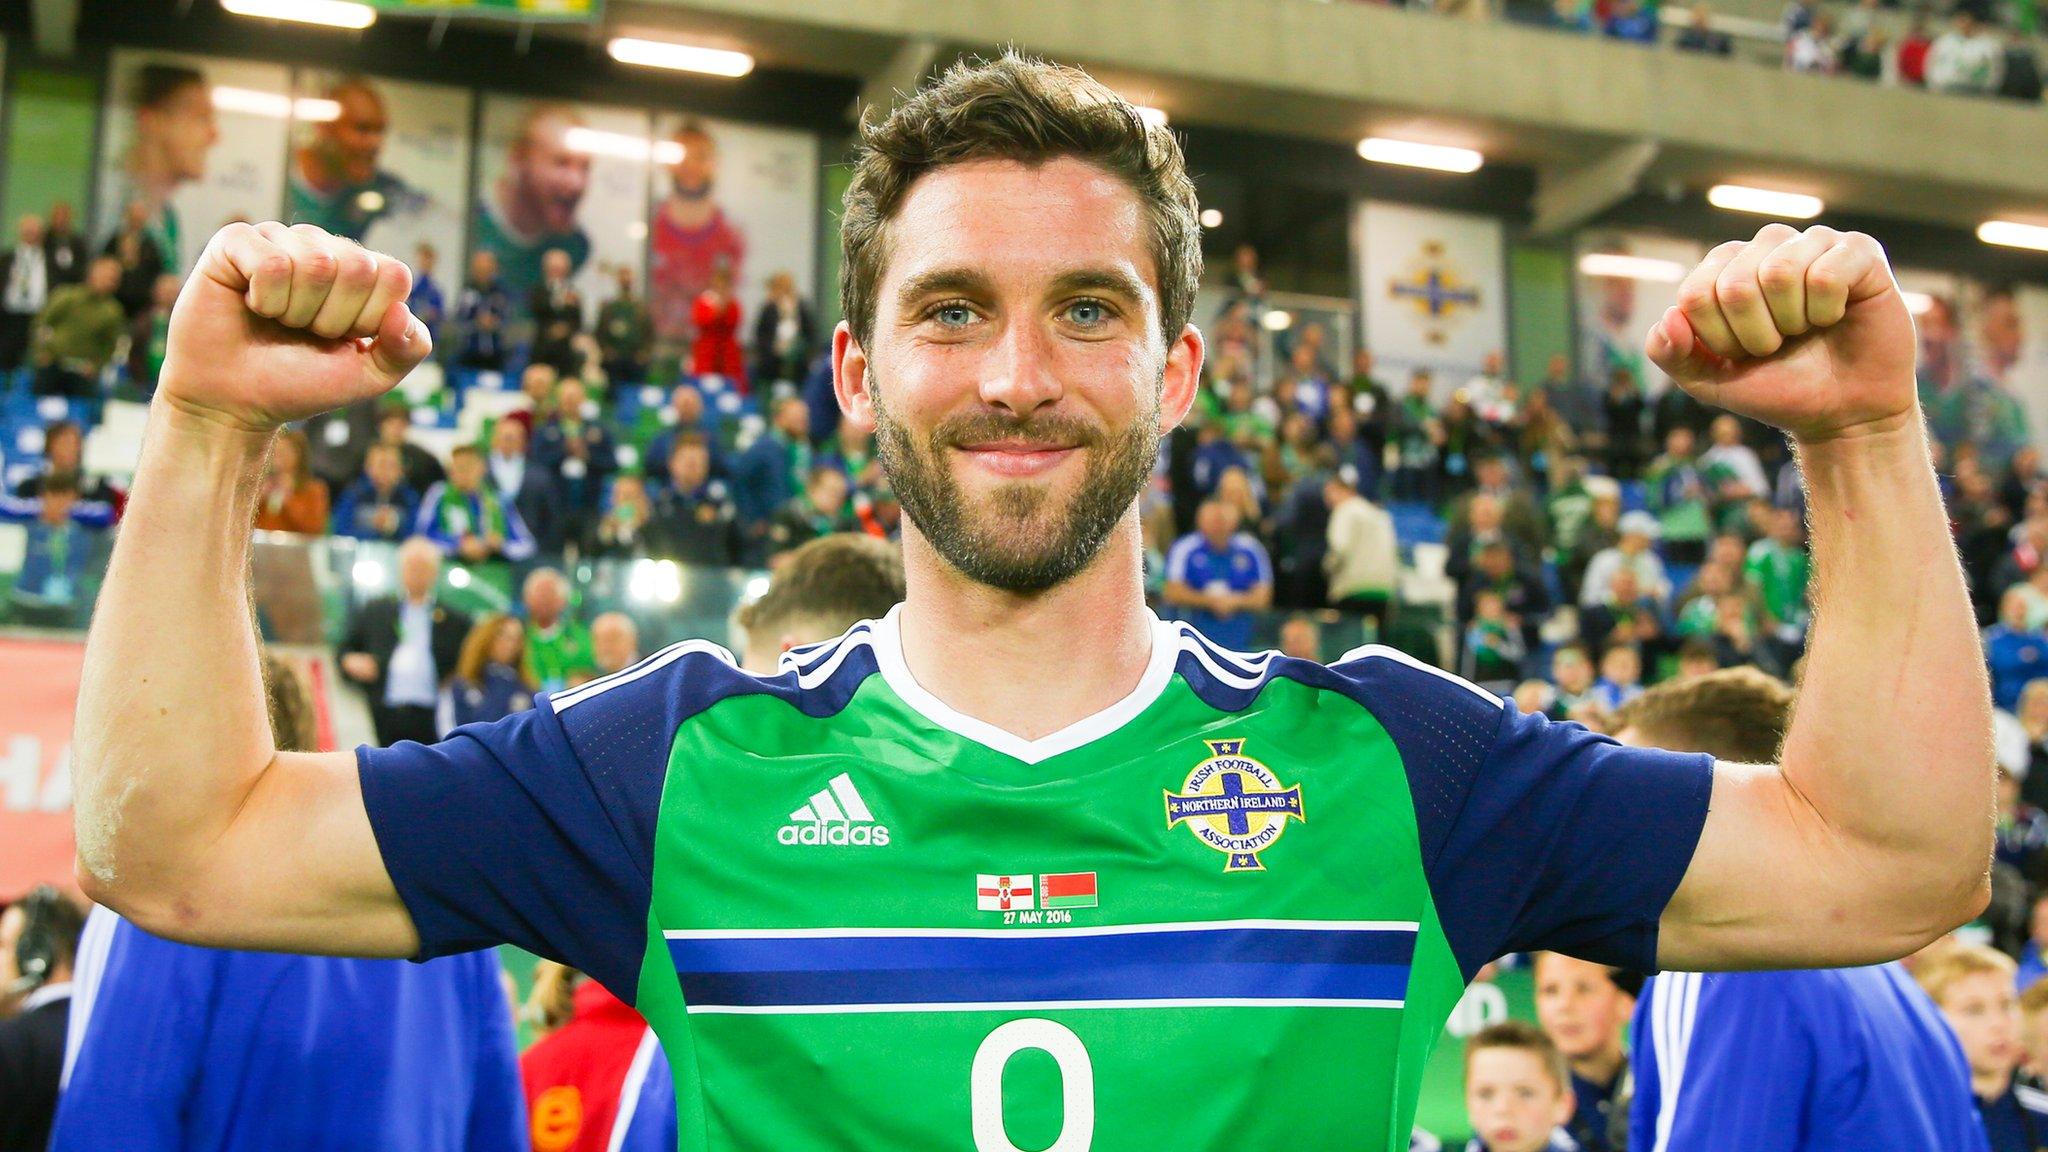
427	302
692	236
557	310
784	334
1819	1061
693	519
819	510
557	644
1017	333
625	336
685	418
822	589
464	516
1968	58
38	946
532	209
1217	575
532	492
1639	530
335	181
614	643
422	468
481	313
400	649
1584	1009
1520	518
2014	652
76	335
769	474
379	504
67	248
28	279
579	456
1363	561
1701	35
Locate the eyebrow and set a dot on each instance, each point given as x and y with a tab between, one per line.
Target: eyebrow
1114	281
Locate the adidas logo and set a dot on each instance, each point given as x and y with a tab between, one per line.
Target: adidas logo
835	814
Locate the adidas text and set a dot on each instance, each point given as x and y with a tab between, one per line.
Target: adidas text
821	833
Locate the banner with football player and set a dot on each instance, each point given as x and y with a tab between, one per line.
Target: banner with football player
1625	282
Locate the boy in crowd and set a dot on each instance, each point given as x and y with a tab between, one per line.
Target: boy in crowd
1515	1093
1973	986
1584	1009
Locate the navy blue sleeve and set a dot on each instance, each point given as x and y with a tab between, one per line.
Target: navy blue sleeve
1536	835
538	829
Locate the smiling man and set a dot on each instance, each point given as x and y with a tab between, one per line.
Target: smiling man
1020	865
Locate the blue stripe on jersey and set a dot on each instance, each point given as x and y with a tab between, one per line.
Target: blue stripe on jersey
1145	963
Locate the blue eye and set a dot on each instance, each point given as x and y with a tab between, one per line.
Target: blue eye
1088	313
953	315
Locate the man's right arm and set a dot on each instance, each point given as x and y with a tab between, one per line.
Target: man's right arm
189	820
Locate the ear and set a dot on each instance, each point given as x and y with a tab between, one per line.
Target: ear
850	382
1183	378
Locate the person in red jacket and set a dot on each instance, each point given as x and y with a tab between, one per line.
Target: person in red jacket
717	316
597	1071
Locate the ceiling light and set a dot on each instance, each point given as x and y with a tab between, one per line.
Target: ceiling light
1156	117
682	57
1212	218
1764	202
1381	150
331	13
2012	234
1631	267
592	142
315	109
1277	320
250	102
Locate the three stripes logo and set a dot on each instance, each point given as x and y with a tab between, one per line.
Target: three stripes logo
835	814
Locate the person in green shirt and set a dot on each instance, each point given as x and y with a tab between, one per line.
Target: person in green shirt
556	643
624	333
1778	565
76	334
1678	497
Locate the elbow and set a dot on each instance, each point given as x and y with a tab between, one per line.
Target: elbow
161	909
1950	899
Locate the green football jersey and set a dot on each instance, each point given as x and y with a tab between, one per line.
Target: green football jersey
1233	909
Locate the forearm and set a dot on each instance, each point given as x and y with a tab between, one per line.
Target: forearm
172	731
1891	741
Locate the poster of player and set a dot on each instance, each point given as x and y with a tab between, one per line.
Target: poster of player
190	143
1625	282
555	175
730	198
381	161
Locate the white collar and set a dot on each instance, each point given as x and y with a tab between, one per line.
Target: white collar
47	994
888	645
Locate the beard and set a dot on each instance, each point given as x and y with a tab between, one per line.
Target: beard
1020	537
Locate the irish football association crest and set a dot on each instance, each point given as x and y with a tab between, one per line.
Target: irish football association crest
1235	805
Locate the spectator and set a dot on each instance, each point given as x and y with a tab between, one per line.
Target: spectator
1419	437
492	676
1584	1008
768	475
2022	840
1679	499
134	247
1623	407
38	949
1812	48
2016	654
1217	452
557	647
1466	437
1638	531
60	534
1730	468
819	510
2033	964
557	310
2034	1031
1543	436
426	299
152	333
693	518
1374	406
1519	517
614	643
538	384
69	254
684	417
716	315
1863	54
784	333
64	456
1516	1093
625	333
529	490
1598	530
28	280
1571	669
400	648
1496	568
1621	676
379	504
2033	717
1702	37
1696	658
596	1076
1493	648
1217	575
1779	568
1969	58
481	313
1362	563
463	515
821	590
394	428
1974	988
76	335
1626	615
577	452
293	499
1301	638
1913	51
1798	16
1631	21
622	531
2020	78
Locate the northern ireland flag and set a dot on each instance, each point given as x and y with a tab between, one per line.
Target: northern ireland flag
1004	893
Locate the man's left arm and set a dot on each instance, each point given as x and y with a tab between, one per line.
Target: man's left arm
1872	835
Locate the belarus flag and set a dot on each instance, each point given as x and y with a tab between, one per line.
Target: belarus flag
1003	893
1066	890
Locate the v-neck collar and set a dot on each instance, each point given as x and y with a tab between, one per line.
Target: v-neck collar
888	646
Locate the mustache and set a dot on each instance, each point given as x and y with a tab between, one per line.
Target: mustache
1048	428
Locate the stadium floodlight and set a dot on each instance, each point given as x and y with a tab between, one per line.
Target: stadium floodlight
1212	218
1409	154
681	57
2013	234
1156	117
593	142
1764	202
1277	320
1620	267
328	13
316	110
251	102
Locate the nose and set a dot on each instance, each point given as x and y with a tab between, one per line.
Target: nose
1020	378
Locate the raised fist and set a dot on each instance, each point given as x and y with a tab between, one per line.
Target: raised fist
1805	331
278	324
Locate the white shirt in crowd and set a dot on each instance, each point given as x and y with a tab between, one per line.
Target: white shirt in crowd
28	281
1364	555
1959	63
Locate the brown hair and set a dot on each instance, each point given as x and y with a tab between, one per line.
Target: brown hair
835	581
1522	1036
1937	974
2035	998
476	650
553	998
303	474
1735	714
1020	108
292	723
